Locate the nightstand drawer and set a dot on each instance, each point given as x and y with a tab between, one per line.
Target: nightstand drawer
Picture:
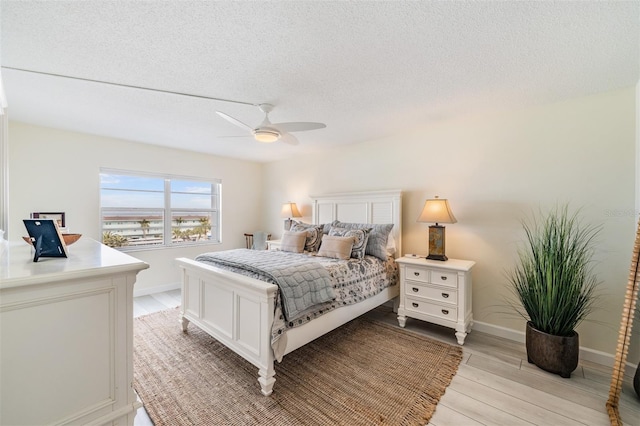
414	289
417	305
417	274
449	279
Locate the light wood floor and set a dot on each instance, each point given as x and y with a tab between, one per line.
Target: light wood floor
495	385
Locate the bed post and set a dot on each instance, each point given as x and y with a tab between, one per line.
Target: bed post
267	379
184	295
266	370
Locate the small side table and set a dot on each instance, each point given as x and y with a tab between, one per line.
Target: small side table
274	245
436	291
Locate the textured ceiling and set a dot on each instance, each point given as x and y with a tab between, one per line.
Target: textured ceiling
366	69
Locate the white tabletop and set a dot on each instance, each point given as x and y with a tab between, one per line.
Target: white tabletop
86	257
454	264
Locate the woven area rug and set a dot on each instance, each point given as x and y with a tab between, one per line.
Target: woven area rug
363	373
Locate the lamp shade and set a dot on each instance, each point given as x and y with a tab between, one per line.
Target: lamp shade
290	210
437	210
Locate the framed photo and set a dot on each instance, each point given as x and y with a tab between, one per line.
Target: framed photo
57	216
46	238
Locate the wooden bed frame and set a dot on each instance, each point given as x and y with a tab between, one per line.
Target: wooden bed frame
238	311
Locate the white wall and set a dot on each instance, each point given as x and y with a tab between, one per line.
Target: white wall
495	170
54	170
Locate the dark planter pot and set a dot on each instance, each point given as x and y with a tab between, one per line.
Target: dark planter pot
555	354
636	381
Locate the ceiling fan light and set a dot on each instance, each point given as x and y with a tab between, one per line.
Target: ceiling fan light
266	136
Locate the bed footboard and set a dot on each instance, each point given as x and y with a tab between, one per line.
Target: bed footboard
234	309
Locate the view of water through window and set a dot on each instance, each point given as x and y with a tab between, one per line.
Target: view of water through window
142	211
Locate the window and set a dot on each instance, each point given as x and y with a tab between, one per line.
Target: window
143	210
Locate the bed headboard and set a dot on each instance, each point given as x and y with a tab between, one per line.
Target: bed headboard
375	207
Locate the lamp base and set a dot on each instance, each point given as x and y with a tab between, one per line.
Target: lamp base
436	243
437	257
287	224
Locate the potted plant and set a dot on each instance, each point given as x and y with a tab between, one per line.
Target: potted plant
636	377
555	288
636	381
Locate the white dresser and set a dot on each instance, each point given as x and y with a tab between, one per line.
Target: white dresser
66	336
437	292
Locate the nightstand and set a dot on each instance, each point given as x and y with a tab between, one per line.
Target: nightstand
274	245
436	291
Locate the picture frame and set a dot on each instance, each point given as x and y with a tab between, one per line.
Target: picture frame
46	238
57	216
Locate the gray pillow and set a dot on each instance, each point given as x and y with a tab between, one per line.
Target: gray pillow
326	228
377	242
361	236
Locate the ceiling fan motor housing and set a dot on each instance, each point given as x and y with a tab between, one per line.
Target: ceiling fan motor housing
266	135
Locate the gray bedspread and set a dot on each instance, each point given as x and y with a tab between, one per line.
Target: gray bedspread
303	283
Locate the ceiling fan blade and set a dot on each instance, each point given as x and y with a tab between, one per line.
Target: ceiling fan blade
234	121
298	126
289	139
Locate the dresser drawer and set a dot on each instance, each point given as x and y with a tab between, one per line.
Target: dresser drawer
446	278
413	289
417	274
420	306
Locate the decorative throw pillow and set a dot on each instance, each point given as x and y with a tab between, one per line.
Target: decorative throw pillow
293	241
314	234
336	247
377	243
360	238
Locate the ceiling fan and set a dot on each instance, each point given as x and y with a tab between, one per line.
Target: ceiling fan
268	132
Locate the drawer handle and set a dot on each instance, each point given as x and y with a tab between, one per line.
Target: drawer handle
417	274
415	290
445	295
446	312
443	278
415	305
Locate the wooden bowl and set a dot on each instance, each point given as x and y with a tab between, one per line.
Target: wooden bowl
68	238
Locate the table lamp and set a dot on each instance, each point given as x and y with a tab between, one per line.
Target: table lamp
436	211
288	211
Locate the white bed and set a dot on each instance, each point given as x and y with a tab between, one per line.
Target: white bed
238	310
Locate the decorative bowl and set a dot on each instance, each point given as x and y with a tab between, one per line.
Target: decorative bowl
68	238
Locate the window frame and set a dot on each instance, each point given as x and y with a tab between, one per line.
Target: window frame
215	212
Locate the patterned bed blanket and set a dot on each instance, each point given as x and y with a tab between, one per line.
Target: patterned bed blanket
352	281
302	283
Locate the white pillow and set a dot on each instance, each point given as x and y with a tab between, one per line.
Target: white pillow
293	241
391	245
336	247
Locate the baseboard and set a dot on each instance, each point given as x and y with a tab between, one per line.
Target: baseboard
498	331
156	289
587	354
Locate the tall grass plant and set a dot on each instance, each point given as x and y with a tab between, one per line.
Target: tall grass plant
554	280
